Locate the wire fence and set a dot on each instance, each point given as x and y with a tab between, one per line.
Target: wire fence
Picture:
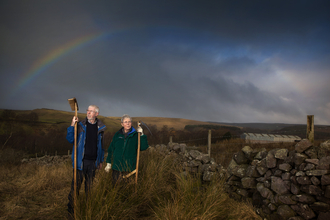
297	132
202	139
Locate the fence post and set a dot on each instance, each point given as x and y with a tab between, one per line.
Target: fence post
209	144
310	128
171	139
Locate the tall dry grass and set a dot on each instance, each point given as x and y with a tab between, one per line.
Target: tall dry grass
33	192
163	192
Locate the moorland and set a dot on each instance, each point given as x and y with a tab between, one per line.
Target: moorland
31	191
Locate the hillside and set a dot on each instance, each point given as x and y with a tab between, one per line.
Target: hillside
51	116
44	130
46	119
176	123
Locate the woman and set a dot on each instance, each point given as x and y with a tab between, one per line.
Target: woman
122	151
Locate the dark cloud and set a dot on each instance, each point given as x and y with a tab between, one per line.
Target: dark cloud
232	61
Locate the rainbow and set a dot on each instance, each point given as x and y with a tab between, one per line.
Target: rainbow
40	65
53	56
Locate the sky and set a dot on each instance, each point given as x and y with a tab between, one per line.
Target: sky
231	61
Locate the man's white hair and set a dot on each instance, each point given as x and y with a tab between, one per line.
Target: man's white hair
97	109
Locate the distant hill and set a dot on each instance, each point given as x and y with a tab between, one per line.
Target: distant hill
321	131
44	130
51	116
262	126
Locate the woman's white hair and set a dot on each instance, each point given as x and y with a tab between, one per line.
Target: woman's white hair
125	116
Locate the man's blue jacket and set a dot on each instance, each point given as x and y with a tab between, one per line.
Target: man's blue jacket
81	132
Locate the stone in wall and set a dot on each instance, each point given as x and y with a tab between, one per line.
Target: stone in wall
311	153
278	185
303	146
324	149
270	159
240	158
324	163
249	152
261	154
281	154
285	212
304	211
324	216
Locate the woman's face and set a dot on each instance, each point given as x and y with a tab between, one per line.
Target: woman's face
127	124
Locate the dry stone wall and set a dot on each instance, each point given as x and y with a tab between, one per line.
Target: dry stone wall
192	160
283	184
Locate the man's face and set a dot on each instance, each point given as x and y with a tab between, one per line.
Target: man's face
91	113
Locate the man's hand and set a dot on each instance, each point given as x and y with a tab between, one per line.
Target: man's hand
108	167
100	166
140	130
74	120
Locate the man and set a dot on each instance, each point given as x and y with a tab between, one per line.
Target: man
90	152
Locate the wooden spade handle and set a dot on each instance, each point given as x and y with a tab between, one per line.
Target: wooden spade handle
138	155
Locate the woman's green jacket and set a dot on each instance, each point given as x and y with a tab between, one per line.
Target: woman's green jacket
122	152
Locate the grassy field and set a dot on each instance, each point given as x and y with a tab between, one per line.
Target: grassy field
28	191
40	192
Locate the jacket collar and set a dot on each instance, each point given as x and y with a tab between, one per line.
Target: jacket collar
121	131
100	124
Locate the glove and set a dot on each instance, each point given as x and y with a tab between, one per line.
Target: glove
140	130
108	167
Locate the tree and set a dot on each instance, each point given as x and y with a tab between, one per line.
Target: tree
227	136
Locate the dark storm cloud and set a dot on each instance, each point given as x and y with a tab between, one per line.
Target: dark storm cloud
233	61
137	78
237	19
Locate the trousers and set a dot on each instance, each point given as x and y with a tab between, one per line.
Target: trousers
88	173
117	177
